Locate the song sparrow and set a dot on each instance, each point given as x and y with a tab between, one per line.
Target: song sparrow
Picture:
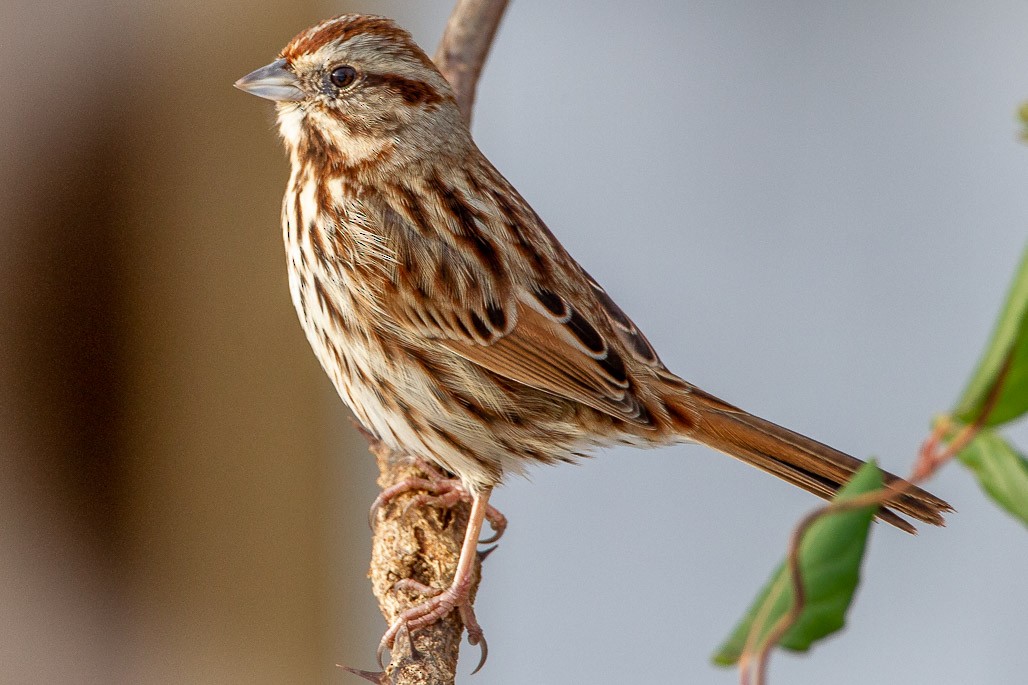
449	318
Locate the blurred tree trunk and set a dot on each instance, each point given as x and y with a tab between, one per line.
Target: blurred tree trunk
238	474
61	535
172	466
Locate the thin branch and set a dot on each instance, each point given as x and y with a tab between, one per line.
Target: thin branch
465	45
423	543
929	461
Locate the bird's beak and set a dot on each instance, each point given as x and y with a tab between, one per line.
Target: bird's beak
273	82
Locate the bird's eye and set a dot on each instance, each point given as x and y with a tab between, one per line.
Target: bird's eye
343	76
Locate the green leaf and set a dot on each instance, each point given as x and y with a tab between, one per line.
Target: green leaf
830	557
1001	471
1005	363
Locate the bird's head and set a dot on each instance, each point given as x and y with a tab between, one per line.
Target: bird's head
360	87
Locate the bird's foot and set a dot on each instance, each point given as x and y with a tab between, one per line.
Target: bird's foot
439	604
440	491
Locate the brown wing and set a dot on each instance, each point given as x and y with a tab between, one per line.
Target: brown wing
565	355
521	308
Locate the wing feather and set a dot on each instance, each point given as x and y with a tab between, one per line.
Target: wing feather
540	353
534	317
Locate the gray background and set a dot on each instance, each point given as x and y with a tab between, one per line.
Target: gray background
813	210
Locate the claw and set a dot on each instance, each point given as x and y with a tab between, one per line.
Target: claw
383	645
485	654
414	653
498	522
475	634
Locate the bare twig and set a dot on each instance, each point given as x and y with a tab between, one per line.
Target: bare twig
424	543
929	460
466	41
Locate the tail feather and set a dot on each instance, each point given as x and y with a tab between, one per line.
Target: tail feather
795	458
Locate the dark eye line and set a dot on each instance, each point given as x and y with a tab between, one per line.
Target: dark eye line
413	91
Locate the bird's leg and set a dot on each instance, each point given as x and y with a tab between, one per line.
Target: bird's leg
456	596
441	491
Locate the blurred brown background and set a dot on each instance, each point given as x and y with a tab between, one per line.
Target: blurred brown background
170	471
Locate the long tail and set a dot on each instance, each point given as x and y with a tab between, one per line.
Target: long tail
794	458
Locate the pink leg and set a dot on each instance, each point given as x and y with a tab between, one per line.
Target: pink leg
457	596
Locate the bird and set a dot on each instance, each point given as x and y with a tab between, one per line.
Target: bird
448	316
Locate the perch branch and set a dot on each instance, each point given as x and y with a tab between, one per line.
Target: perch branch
466	41
424	543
